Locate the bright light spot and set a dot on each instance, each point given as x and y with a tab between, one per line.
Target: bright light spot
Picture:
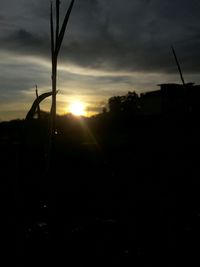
77	108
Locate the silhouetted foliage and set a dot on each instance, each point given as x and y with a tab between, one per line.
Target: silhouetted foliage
115	104
34	107
128	103
56	42
38	108
115	184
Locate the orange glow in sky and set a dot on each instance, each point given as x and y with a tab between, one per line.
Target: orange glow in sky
77	108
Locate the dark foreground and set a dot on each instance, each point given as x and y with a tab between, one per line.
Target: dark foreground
119	194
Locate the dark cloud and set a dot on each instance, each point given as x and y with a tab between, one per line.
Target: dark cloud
23	39
113	35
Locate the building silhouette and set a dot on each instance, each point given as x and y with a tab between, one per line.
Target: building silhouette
172	99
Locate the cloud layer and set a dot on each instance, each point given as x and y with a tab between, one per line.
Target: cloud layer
110	45
109	34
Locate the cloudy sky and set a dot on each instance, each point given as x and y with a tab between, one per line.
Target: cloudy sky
110	47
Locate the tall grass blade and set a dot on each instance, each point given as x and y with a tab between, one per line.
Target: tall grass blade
55	47
63	28
38	107
178	65
57	19
52	32
33	109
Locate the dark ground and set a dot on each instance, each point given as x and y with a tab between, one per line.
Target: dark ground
122	192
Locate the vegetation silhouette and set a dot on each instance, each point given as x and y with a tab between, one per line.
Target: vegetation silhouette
127	104
56	42
124	183
122	179
35	106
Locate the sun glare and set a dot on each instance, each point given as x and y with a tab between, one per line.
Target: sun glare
77	108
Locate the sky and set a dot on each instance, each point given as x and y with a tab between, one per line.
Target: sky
110	47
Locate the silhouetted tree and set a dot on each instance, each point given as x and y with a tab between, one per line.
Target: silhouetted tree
104	110
128	103
115	104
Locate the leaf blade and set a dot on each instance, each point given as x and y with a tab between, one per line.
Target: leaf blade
52	32
63	28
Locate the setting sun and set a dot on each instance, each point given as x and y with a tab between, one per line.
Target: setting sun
77	108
